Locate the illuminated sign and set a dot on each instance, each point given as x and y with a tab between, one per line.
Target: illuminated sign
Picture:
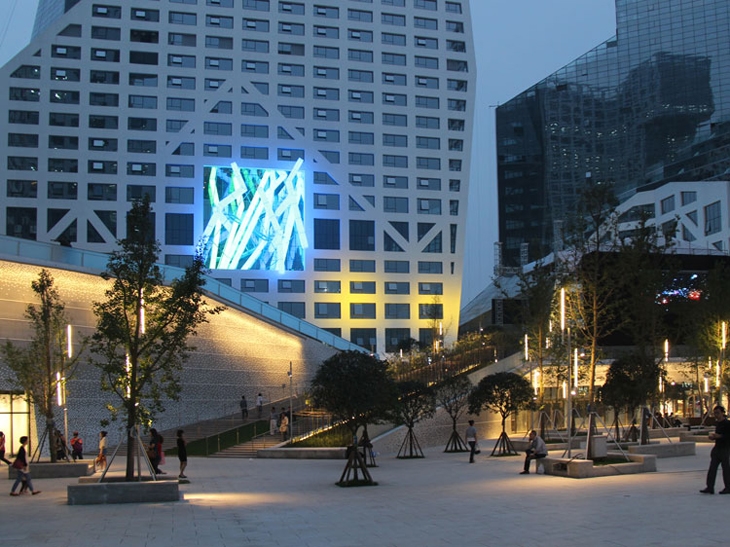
254	218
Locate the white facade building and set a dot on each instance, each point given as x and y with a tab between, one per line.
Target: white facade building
315	151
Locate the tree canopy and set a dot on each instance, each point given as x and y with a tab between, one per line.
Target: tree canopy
143	327
501	392
355	387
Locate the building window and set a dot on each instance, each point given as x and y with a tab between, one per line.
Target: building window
430	311
393	19
430	268
362	311
297	309
22	188
101	192
362	266
397	339
326	234
397	311
365	338
362	287
291	286
397	287
327	265
713	218
393	204
327	310
332	287
136	192
688	197
255	285
397	266
179	229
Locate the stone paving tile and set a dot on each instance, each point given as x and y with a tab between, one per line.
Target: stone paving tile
438	501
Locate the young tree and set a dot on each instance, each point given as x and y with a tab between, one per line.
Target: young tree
593	296
416	401
143	327
631	381
356	388
504	393
38	365
452	395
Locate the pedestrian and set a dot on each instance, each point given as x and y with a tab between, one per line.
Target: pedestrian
536	450
284	426
273	421
2	449
154	451
77	447
100	461
260	404
471	439
244	407
182	453
720	454
61	446
21	464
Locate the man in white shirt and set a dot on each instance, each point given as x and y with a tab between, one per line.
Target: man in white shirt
535	451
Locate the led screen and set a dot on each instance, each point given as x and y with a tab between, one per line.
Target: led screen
254	218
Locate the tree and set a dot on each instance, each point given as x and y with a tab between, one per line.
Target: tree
38	366
504	393
452	395
143	327
631	381
416	401
356	388
593	301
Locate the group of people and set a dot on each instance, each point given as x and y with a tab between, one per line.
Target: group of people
719	456
279	421
156	453
243	403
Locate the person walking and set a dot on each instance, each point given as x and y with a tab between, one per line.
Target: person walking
244	407
77	447
273	421
284	427
720	454
536	450
260	404
21	464
154	451
471	440
100	461
182	453
2	449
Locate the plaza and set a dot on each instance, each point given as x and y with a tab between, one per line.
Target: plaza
440	500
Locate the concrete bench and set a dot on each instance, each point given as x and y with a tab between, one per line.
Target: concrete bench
123	492
56	470
665	450
583	469
313	453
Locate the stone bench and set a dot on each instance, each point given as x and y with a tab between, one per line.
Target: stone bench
123	492
313	453
699	437
56	470
583	469
665	450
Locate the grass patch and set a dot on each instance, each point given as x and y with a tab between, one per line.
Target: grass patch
337	436
221	441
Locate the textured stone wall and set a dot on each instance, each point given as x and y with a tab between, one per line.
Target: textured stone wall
236	354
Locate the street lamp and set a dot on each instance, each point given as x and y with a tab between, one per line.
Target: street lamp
569	398
291	396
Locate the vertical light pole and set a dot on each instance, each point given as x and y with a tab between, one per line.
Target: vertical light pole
569	398
721	361
291	397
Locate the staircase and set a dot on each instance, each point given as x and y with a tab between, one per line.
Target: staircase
250	449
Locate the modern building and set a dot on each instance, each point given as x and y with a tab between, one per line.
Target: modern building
691	212
315	152
648	106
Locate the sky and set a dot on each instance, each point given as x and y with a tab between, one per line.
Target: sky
517	44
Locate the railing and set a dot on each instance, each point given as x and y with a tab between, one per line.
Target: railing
93	262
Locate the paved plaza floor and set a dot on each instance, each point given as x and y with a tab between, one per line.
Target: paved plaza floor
440	500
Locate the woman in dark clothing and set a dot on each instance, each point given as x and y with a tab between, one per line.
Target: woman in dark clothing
155	451
182	453
21	464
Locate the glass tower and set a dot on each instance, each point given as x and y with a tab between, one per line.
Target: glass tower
316	152
648	106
